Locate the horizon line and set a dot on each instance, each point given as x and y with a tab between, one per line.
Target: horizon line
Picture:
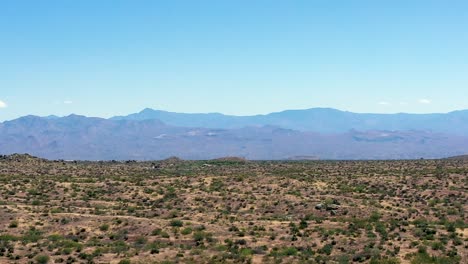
233	115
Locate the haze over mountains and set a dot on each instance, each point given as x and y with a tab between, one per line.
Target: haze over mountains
324	120
319	133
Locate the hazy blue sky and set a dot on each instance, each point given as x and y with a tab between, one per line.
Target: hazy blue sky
104	58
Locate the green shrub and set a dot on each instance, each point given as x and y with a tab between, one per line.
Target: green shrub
104	227
290	251
327	249
186	231
42	259
437	245
176	223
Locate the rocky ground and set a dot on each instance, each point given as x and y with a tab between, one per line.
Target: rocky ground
232	210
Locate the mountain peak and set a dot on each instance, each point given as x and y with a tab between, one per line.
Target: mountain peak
74	116
147	110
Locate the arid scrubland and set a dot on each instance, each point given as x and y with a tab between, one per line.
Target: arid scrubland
233	211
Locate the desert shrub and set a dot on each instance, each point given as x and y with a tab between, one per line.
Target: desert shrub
13	224
327	249
32	235
104	227
55	237
198	236
176	223
375	216
288	251
140	241
156	232
153	248
246	252
119	247
382	230
7	238
425	258
186	231
42	259
437	245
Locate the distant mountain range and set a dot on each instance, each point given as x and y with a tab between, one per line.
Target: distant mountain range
322	120
318	133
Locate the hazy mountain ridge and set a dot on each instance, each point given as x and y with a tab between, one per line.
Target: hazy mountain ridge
142	137
324	120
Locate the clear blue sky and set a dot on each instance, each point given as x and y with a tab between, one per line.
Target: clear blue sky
111	57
